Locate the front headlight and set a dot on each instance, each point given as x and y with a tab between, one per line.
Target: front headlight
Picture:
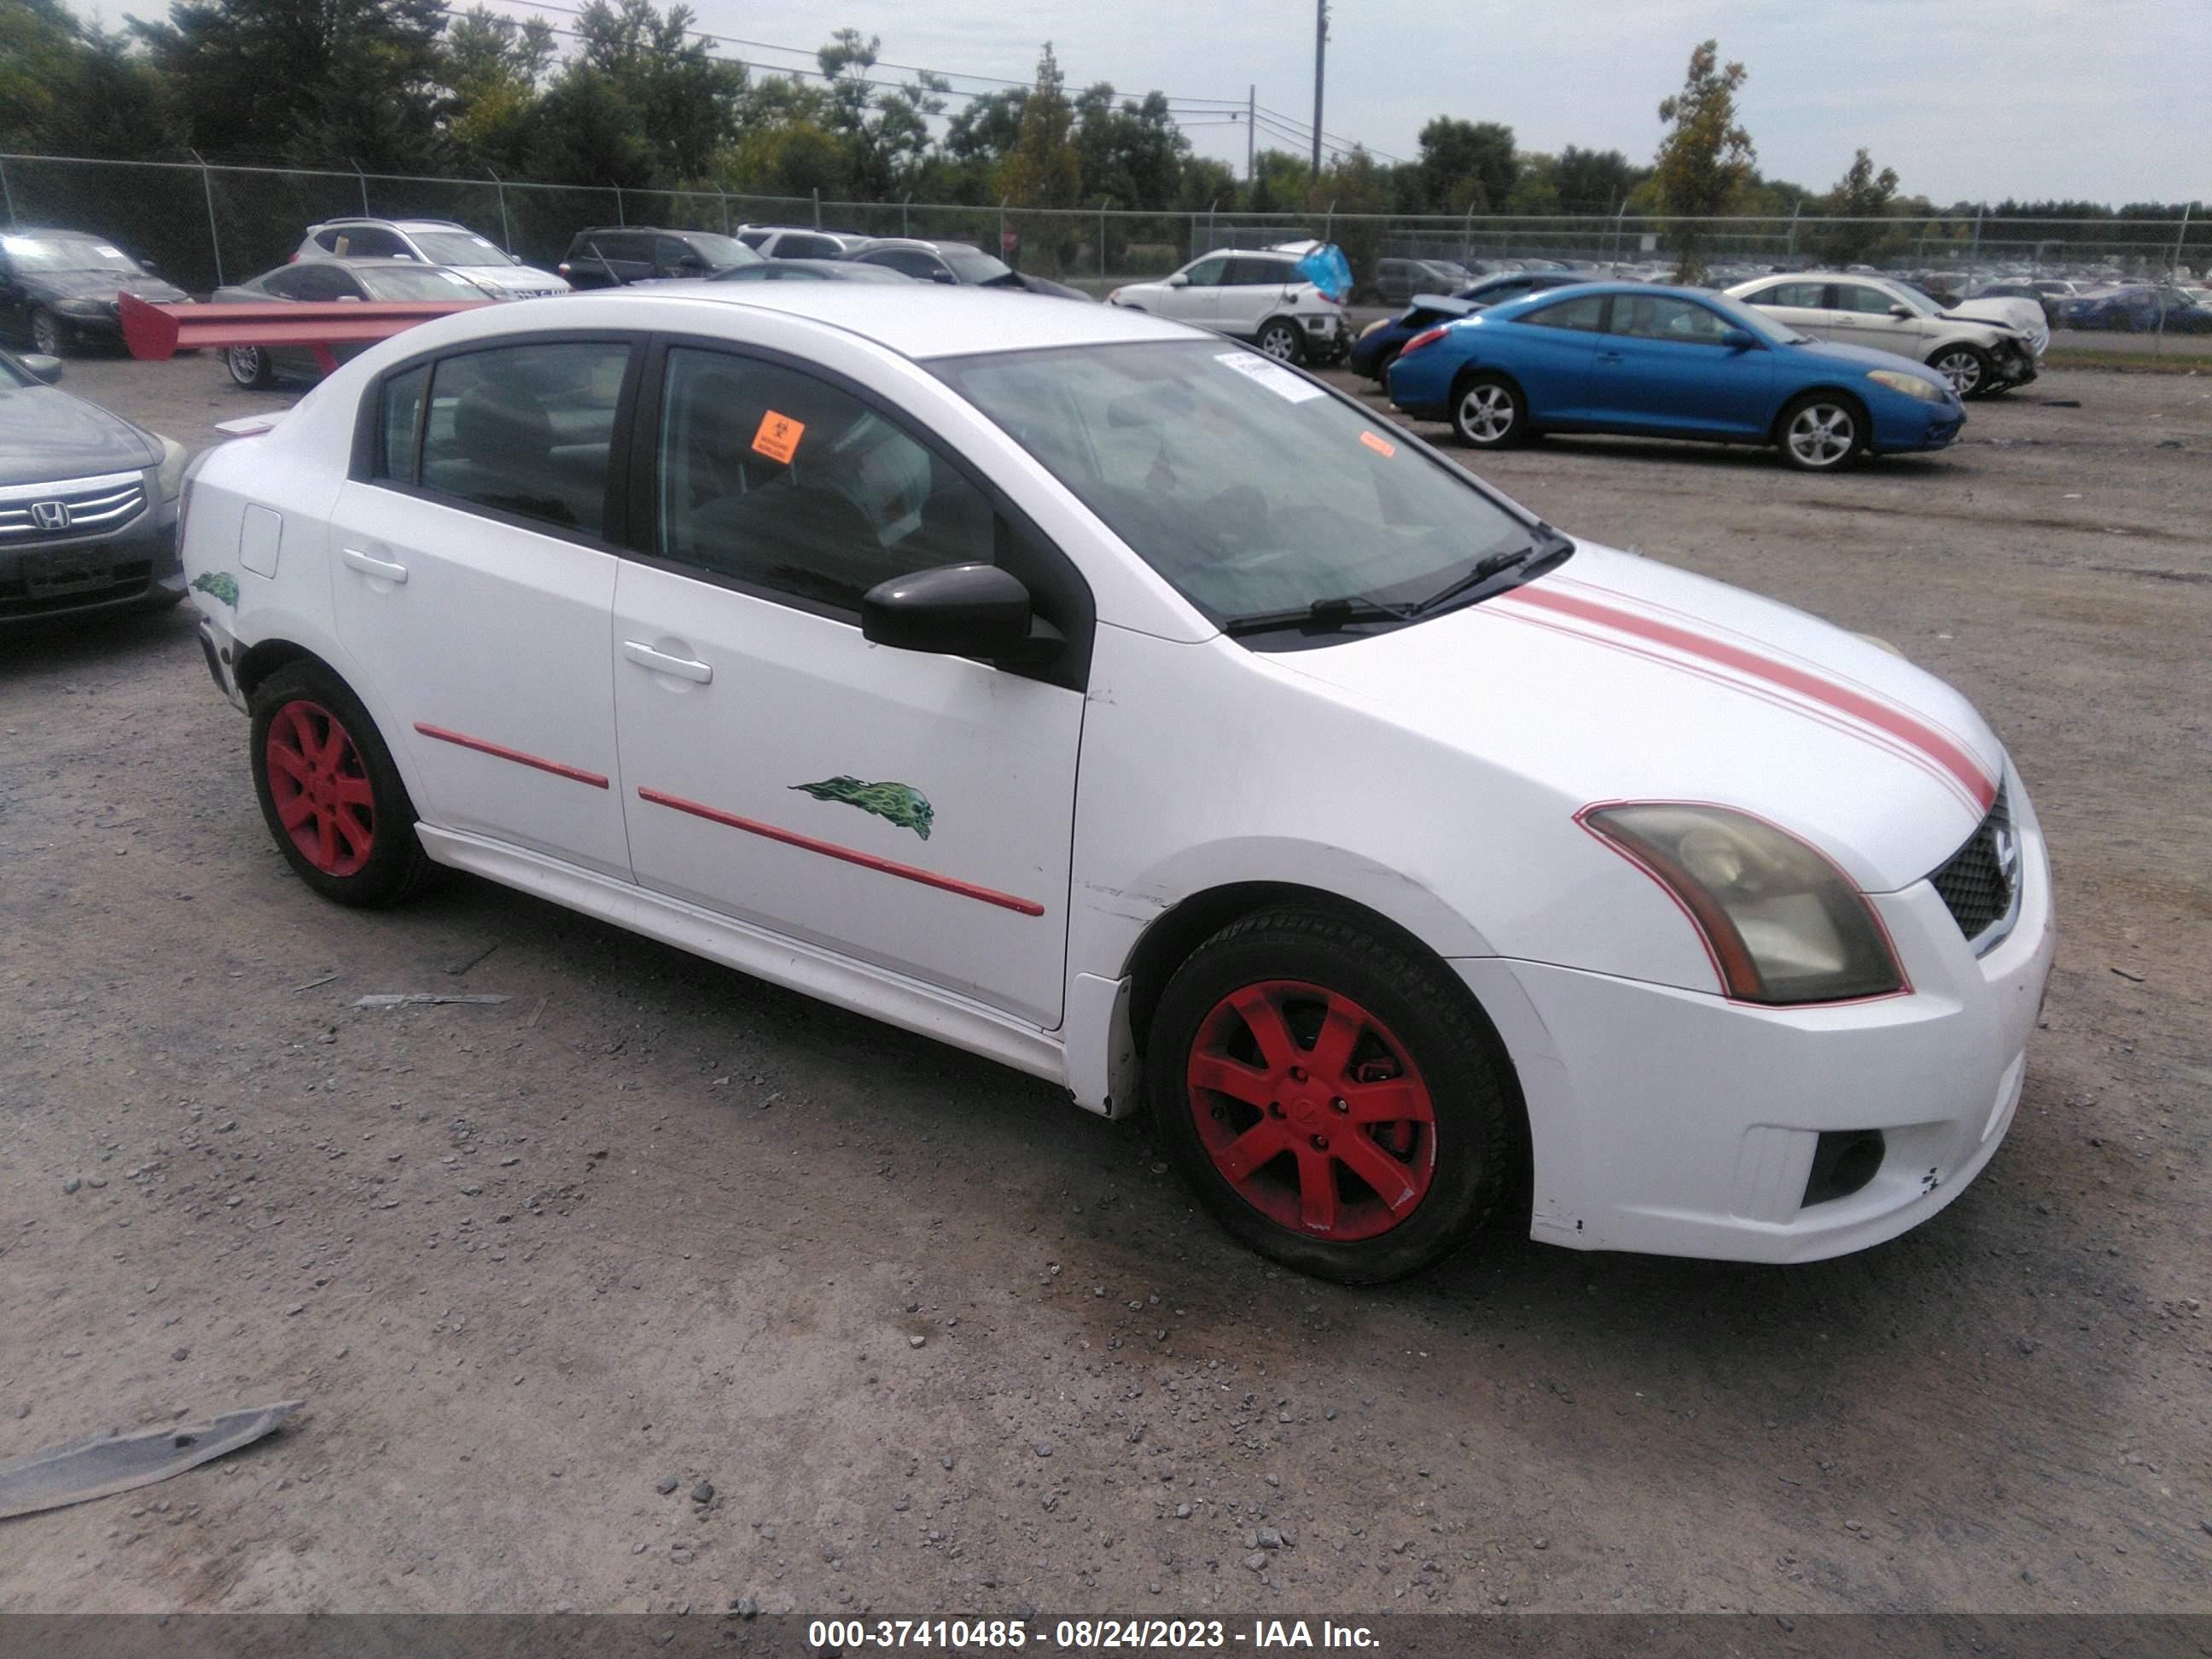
83	307
1910	385
1380	322
1781	923
170	475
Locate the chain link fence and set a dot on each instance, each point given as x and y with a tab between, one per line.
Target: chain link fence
207	224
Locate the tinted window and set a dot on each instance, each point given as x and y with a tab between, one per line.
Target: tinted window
781	481
322	283
1257	273
417	283
527	429
912	261
1662	317
369	242
1866	301
807	247
753	239
289	284
1208	273
401	417
1798	297
1587	314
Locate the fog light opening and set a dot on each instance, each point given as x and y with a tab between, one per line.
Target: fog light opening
1843	1162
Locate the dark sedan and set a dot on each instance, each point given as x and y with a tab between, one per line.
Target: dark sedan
87	503
1380	344
58	288
325	282
615	255
958	264
2139	310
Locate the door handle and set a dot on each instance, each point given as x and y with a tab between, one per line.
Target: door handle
685	668
1609	356
384	569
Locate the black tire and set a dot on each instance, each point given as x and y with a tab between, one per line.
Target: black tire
49	336
1489	412
1967	367
250	366
391	866
1280	338
1821	432
1382	376
1424	1037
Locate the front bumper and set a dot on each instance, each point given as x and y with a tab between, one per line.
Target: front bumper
1679	1123
1905	425
134	568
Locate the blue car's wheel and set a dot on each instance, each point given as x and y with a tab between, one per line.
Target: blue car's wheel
1820	432
1488	412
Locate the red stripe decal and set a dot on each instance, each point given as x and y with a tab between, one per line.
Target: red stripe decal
500	751
830	849
1898	724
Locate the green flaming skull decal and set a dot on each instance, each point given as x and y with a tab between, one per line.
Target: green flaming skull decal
220	584
902	804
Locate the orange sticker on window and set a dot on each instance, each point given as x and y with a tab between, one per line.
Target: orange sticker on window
1381	446
779	436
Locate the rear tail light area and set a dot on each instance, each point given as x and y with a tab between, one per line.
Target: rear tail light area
1427	337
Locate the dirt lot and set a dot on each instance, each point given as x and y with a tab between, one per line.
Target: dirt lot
942	1344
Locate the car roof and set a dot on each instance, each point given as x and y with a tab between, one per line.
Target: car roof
920	321
876	242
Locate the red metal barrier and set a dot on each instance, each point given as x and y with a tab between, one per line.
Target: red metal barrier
156	332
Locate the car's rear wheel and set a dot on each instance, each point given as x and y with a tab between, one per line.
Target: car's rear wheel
1383	366
1967	367
1821	432
330	793
48	337
1488	412
250	366
1279	339
1337	1104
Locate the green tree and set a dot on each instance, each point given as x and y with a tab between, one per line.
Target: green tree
1859	210
1705	158
320	82
70	89
494	68
1133	152
1043	170
1593	180
1466	164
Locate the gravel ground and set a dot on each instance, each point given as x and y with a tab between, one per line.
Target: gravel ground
652	1286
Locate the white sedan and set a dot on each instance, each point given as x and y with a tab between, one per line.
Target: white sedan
1089	692
1982	346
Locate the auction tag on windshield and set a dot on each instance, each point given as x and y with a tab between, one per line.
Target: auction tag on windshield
1273	376
1381	446
778	437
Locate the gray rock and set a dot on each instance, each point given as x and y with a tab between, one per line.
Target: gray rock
665	1484
1270	1539
915	1342
1182	1511
71	1184
745	1608
295	1308
180	1354
1257	1561
681	1557
1042	1449
704	1493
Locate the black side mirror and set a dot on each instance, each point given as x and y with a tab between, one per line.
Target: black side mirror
1740	339
941	274
41	368
957	611
1902	313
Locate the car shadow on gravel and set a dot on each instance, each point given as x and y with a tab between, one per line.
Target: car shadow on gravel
47	644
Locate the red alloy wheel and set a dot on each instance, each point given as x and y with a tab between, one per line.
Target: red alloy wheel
1312	1110
321	790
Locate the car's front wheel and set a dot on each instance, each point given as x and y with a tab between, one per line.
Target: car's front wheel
48	337
1967	367
1820	433
250	366
1488	412
1383	366
330	793
1338	1104
1279	340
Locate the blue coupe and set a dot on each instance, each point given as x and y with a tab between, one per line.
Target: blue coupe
1668	362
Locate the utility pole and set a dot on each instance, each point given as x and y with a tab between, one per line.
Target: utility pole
1251	128
1320	60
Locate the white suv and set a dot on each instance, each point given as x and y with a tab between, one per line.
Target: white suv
432	242
1254	295
796	242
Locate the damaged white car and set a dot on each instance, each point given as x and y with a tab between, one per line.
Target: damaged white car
1981	346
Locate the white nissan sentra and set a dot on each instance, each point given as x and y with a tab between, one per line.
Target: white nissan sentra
1095	694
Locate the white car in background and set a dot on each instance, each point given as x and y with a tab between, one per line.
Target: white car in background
1981	347
1253	294
1079	689
432	242
798	242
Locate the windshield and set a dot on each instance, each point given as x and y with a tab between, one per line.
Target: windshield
721	250
416	282
1913	297
67	253
458	247
1247	487
971	266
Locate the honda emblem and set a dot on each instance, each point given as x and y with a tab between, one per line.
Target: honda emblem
51	515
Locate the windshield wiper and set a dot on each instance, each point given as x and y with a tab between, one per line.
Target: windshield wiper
1548	544
1321	617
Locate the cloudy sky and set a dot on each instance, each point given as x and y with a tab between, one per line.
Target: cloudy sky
2105	101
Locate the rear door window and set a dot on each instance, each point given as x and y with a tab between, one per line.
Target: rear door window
1257	273
527	429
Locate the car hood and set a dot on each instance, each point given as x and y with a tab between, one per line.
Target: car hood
1046	285
1863	358
511	279
46	435
99	285
2023	317
1616	678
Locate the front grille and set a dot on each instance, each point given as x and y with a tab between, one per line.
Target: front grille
1974	884
90	506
